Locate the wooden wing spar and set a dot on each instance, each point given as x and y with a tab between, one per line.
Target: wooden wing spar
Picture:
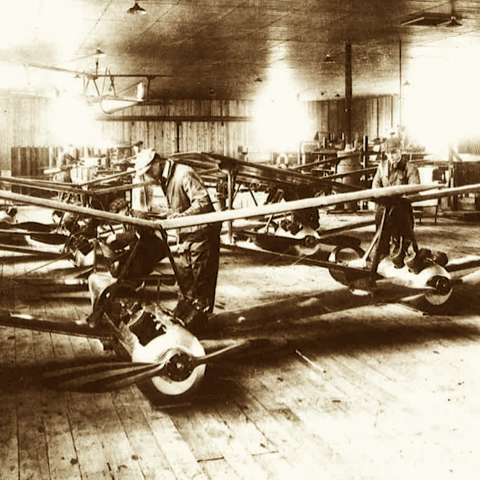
211	167
376	195
251	172
94	187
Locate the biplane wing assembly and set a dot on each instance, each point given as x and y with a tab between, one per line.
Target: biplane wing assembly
57	237
267	184
212	165
229	176
162	350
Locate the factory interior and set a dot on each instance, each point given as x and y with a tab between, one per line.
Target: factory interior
341	336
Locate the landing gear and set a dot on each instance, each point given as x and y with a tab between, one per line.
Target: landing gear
344	255
308	247
143	337
424	270
442	290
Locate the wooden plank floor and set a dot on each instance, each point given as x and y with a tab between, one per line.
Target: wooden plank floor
380	392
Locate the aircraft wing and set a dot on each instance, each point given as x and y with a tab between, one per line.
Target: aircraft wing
43	185
440	192
376	195
228	215
464	266
297	317
92	187
53	68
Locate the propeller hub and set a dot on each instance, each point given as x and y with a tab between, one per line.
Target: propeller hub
310	241
179	367
440	284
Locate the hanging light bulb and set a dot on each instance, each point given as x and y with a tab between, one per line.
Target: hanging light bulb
136	10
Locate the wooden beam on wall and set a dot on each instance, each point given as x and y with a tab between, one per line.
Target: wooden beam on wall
170	118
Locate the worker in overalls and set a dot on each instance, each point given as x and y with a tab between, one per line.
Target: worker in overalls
397	215
198	246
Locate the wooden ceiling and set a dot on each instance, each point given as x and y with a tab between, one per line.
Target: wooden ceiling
239	49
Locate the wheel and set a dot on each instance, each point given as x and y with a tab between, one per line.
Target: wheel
177	346
343	255
310	246
442	290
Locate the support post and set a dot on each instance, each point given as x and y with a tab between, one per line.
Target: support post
348	92
230	186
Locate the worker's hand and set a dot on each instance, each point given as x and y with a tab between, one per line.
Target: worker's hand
140	214
162	214
110	239
175	215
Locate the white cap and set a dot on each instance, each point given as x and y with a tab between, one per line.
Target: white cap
144	159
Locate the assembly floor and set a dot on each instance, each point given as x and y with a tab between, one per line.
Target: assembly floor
373	392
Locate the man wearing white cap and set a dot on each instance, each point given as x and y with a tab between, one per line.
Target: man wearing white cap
399	223
198	246
395	169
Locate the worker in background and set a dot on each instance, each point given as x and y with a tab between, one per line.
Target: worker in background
198	246
66	161
137	147
141	196
395	169
399	222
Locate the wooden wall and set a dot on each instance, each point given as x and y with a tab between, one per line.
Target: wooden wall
24	122
219	126
183	125
373	117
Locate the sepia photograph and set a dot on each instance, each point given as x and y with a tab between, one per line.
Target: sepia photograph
238	239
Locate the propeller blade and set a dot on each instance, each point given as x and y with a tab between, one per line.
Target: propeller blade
110	376
114	383
76	369
101	376
239	347
223	352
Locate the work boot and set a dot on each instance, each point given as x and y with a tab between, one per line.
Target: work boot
182	309
415	264
196	321
440	258
419	261
398	256
191	316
